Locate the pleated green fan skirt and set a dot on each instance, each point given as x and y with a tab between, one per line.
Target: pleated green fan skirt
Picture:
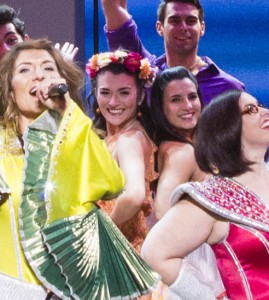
79	257
97	261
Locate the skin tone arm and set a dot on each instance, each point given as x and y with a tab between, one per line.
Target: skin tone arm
115	12
189	226
131	159
177	165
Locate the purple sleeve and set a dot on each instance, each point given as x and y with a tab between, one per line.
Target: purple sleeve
126	37
213	81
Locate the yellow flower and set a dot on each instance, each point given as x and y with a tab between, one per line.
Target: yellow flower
145	68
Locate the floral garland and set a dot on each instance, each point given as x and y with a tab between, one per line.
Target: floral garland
132	61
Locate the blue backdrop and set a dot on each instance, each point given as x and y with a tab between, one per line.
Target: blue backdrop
236	38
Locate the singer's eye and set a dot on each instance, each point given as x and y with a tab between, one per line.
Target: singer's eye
23	70
50	69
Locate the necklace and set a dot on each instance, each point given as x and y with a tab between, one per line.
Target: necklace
116	135
195	64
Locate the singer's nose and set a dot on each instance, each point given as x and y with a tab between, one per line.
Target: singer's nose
39	74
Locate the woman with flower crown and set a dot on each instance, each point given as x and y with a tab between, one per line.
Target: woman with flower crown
119	80
55	242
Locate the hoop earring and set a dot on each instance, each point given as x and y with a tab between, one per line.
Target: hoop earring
215	170
139	113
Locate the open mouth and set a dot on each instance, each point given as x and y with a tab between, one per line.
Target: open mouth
265	124
115	111
33	91
187	116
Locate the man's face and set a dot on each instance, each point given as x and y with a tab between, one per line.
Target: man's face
9	37
182	28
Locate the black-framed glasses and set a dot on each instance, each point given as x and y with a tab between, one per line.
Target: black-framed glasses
253	108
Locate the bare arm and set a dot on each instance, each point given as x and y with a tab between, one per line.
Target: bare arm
185	227
131	157
178	166
115	12
121	31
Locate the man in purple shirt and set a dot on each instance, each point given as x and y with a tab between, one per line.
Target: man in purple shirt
181	24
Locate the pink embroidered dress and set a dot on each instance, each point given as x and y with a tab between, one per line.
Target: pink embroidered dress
243	256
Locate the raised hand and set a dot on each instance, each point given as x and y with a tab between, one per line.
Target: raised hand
68	51
115	12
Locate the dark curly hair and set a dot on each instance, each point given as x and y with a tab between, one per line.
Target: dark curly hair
161	13
9	15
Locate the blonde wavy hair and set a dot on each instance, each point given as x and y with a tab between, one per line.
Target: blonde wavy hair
70	71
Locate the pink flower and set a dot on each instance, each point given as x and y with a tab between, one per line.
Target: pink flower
132	62
113	58
92	66
90	72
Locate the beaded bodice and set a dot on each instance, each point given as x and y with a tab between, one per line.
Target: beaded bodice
228	198
243	255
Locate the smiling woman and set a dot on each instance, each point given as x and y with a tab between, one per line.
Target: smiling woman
175	109
119	79
45	214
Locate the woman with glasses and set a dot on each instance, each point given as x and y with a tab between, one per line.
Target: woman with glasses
229	210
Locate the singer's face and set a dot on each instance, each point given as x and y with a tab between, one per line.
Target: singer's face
31	69
117	98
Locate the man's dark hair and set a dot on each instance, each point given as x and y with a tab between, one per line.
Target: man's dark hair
9	15
161	13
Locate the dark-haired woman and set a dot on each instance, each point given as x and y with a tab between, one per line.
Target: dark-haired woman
119	79
175	107
228	211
